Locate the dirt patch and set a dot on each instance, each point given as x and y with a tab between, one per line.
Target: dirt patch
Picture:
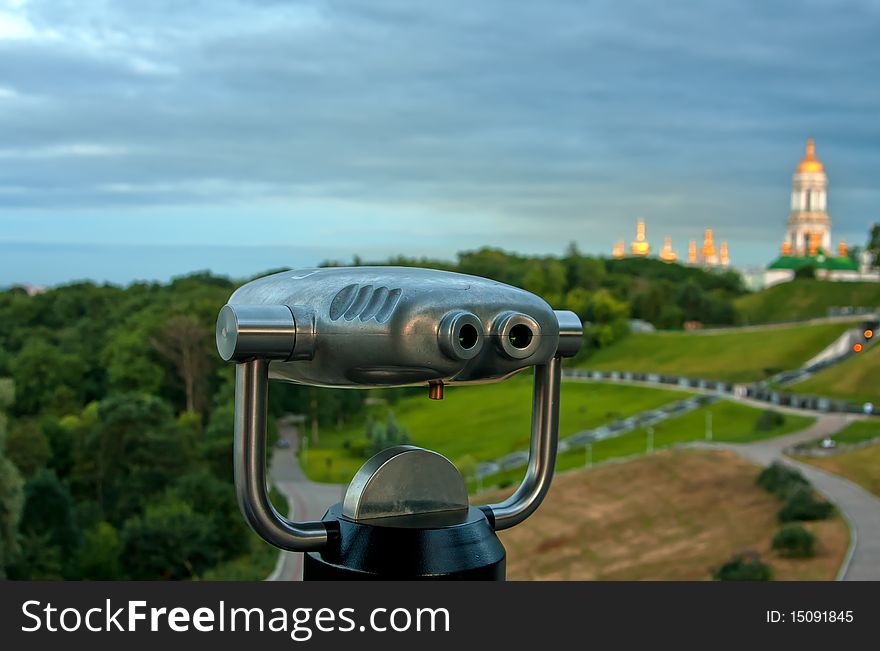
671	516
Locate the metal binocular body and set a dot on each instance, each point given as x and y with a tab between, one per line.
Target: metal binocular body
406	512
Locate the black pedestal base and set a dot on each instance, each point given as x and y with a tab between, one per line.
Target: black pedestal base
389	550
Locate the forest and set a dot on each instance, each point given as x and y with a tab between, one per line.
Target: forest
116	412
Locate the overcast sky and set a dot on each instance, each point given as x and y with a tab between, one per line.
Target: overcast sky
144	139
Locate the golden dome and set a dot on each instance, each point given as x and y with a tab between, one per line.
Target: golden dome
640	246
809	163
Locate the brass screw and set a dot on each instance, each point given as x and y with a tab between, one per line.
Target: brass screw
435	390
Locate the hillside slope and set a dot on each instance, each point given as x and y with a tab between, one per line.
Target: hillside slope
861	466
804	299
482	422
857	378
669	516
737	356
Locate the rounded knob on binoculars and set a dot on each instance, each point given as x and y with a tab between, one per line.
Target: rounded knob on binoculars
571	333
250	331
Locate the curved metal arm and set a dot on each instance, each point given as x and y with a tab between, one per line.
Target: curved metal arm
249	451
542	451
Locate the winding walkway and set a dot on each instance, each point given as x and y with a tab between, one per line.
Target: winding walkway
860	509
306	499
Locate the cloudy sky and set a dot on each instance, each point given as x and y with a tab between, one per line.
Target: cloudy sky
146	139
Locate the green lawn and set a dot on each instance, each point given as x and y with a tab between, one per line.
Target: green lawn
857	378
483	422
804	299
732	422
858	431
737	356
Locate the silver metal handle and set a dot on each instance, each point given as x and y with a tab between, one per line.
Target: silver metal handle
249	452
542	451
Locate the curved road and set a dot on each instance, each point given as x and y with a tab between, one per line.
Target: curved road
860	508
306	499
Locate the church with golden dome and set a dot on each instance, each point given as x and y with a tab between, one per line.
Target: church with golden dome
707	255
807	240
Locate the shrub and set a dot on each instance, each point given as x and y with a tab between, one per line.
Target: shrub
381	436
794	541
807	271
779	479
746	566
769	420
801	504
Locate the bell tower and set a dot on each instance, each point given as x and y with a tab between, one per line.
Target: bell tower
809	227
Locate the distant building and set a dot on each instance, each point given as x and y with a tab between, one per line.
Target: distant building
807	241
30	290
666	253
640	246
708	255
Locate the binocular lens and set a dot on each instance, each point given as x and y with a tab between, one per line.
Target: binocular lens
468	336
520	336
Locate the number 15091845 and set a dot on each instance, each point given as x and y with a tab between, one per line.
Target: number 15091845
809	616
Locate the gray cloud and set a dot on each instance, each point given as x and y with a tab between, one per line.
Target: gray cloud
557	121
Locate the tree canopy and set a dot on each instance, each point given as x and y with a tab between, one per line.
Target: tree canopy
116	411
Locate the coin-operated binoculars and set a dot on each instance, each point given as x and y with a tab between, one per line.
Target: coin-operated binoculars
405	515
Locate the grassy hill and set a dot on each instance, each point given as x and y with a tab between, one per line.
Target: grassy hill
857	378
487	422
732	422
737	356
658	518
861	466
804	299
482	422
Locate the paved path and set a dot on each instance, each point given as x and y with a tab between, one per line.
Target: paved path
860	508
306	499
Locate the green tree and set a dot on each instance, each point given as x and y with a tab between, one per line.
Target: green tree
691	299
11	501
384	435
128	364
873	245
605	309
39	559
99	556
133	452
215	499
794	541
170	541
28	447
578	301
546	278
11	489
580	271
807	272
45	376
746	566
49	511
